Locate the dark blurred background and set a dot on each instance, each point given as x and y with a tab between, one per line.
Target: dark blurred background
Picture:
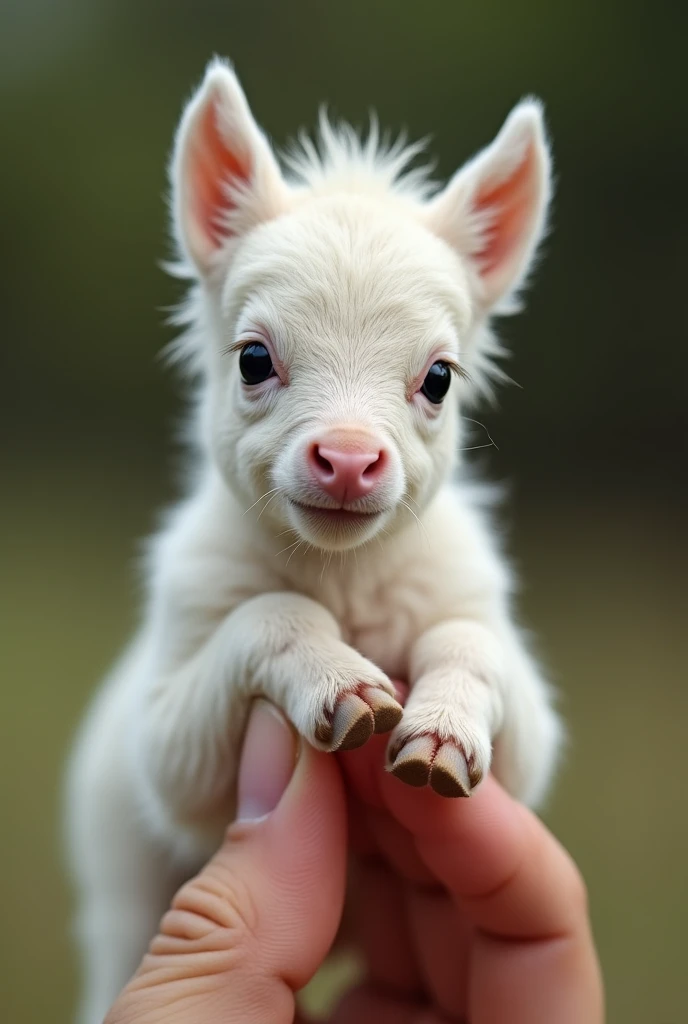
593	443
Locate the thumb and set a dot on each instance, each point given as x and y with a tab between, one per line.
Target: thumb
257	922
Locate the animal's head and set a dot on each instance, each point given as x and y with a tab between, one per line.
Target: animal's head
341	315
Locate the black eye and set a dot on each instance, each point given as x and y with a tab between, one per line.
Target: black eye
255	363
437	381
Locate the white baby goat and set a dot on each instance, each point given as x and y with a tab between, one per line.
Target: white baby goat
338	324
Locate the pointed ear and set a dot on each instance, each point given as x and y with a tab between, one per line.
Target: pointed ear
494	210
225	179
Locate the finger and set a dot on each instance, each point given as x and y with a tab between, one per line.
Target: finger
539	981
442	940
397	847
533	959
508	872
436	937
363	770
361	841
256	923
381	928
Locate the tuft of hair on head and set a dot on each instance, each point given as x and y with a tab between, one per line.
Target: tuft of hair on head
342	158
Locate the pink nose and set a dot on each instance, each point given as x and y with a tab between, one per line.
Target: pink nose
345	470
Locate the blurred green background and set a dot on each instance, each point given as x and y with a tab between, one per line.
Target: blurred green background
593	443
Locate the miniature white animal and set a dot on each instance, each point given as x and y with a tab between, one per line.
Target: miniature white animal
337	327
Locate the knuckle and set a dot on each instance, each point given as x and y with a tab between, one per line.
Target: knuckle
211	913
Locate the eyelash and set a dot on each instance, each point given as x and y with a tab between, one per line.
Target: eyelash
281	372
455	367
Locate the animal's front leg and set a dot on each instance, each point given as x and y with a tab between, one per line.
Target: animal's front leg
283	646
454	710
334	696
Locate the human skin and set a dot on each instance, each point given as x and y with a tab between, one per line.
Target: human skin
462	910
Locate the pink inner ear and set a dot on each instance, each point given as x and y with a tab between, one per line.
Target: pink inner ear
509	206
213	166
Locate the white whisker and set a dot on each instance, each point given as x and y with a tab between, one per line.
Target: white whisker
288	548
272	489
271	498
421	526
294	551
326	565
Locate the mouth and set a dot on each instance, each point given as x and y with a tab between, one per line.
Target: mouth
321	515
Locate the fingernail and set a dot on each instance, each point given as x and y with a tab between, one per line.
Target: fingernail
267	762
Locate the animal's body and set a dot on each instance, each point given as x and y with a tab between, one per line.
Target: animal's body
326	544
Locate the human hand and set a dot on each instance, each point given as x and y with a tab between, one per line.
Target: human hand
462	910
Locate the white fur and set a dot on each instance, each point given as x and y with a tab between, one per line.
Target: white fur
358	279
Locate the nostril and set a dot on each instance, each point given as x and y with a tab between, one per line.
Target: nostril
345	469
373	468
321	462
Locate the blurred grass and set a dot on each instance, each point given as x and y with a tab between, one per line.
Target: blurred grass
605	592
